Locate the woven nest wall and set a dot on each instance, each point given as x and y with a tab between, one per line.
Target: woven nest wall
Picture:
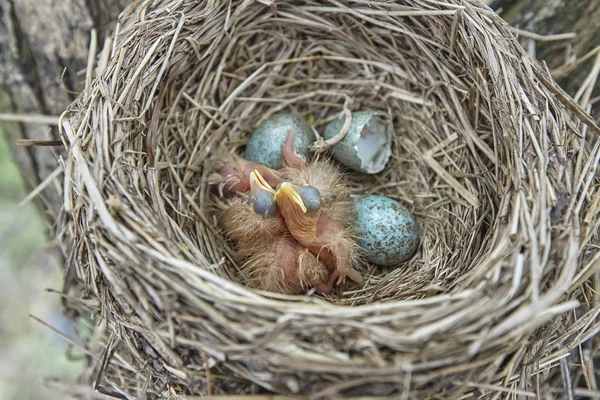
492	160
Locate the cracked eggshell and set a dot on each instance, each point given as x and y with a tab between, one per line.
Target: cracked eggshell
367	146
265	145
385	230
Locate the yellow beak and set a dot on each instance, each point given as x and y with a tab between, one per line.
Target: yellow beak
257	181
287	190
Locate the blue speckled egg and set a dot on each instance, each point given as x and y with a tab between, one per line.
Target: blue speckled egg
385	230
265	145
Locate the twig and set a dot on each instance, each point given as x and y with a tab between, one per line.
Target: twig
67	338
543	38
30	118
39	188
38	142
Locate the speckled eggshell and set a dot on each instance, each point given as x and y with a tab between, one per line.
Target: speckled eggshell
385	230
350	151
265	145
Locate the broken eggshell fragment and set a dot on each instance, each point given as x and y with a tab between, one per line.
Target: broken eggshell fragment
265	145
385	230
367	146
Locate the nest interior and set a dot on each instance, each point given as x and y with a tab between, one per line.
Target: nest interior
490	157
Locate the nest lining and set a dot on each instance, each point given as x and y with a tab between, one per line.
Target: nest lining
492	164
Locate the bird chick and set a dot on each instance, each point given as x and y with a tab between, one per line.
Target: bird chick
234	175
315	204
271	258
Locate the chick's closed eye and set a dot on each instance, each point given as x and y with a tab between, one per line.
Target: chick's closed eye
311	197
264	204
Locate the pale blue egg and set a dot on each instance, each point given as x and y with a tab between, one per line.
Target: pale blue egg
367	147
385	230
266	142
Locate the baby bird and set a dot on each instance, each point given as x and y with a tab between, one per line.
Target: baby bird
234	175
315	204
271	258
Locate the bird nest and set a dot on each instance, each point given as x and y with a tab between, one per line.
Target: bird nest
495	163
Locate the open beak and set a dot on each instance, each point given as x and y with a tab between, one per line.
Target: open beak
258	182
288	191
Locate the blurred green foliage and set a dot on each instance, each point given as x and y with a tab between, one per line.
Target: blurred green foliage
29	351
21	229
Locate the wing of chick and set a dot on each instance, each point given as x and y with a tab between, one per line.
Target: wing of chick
271	258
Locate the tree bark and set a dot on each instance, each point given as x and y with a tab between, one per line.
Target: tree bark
39	39
549	17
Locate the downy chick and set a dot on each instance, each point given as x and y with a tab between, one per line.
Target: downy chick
271	258
315	204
